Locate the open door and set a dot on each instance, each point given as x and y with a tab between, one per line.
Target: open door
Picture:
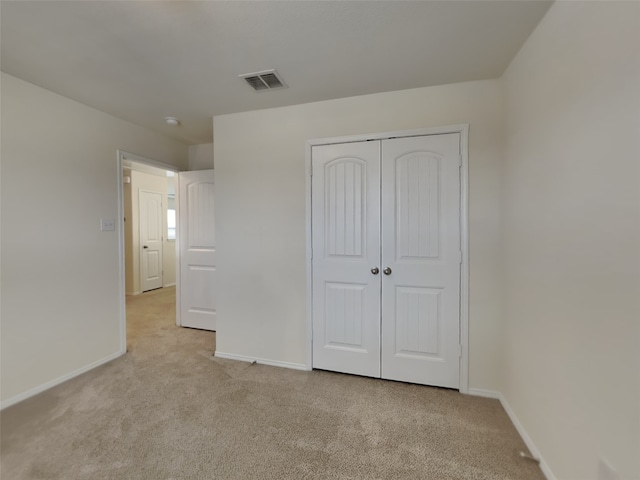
196	282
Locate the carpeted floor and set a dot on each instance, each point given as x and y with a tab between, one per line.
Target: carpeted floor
169	410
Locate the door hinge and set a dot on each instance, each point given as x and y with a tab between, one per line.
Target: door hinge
460	160
459	351
460	257
311	253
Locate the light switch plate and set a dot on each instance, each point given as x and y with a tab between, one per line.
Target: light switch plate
107	224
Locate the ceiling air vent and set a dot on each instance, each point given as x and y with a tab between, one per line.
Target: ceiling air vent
266	80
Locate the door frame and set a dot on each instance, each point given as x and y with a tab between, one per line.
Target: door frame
123	155
463	130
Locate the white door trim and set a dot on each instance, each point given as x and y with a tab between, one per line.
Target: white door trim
463	130
121	157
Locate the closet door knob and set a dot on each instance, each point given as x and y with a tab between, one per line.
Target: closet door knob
387	271
375	270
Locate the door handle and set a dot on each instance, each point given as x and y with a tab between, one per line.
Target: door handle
375	270
387	271
145	247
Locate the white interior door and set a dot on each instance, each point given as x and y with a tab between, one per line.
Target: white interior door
151	235
197	251
346	246
421	255
386	249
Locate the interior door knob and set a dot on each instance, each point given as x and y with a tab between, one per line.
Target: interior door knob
375	270
145	247
387	271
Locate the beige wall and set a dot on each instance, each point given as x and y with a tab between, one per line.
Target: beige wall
260	212
201	156
60	299
151	183
572	238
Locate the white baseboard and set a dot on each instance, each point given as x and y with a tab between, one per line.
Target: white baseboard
169	285
263	361
46	386
479	392
546	471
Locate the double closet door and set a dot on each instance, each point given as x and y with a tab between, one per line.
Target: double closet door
386	258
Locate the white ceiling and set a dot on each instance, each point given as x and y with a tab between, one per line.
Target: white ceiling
144	60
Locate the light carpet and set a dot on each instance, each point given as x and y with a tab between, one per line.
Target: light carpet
169	410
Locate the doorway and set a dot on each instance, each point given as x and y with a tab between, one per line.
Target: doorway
189	223
148	234
149	227
388	269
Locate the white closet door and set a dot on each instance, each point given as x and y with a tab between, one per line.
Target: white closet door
346	246
421	248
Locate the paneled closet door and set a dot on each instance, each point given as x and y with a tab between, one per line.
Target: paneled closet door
421	259
346	257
